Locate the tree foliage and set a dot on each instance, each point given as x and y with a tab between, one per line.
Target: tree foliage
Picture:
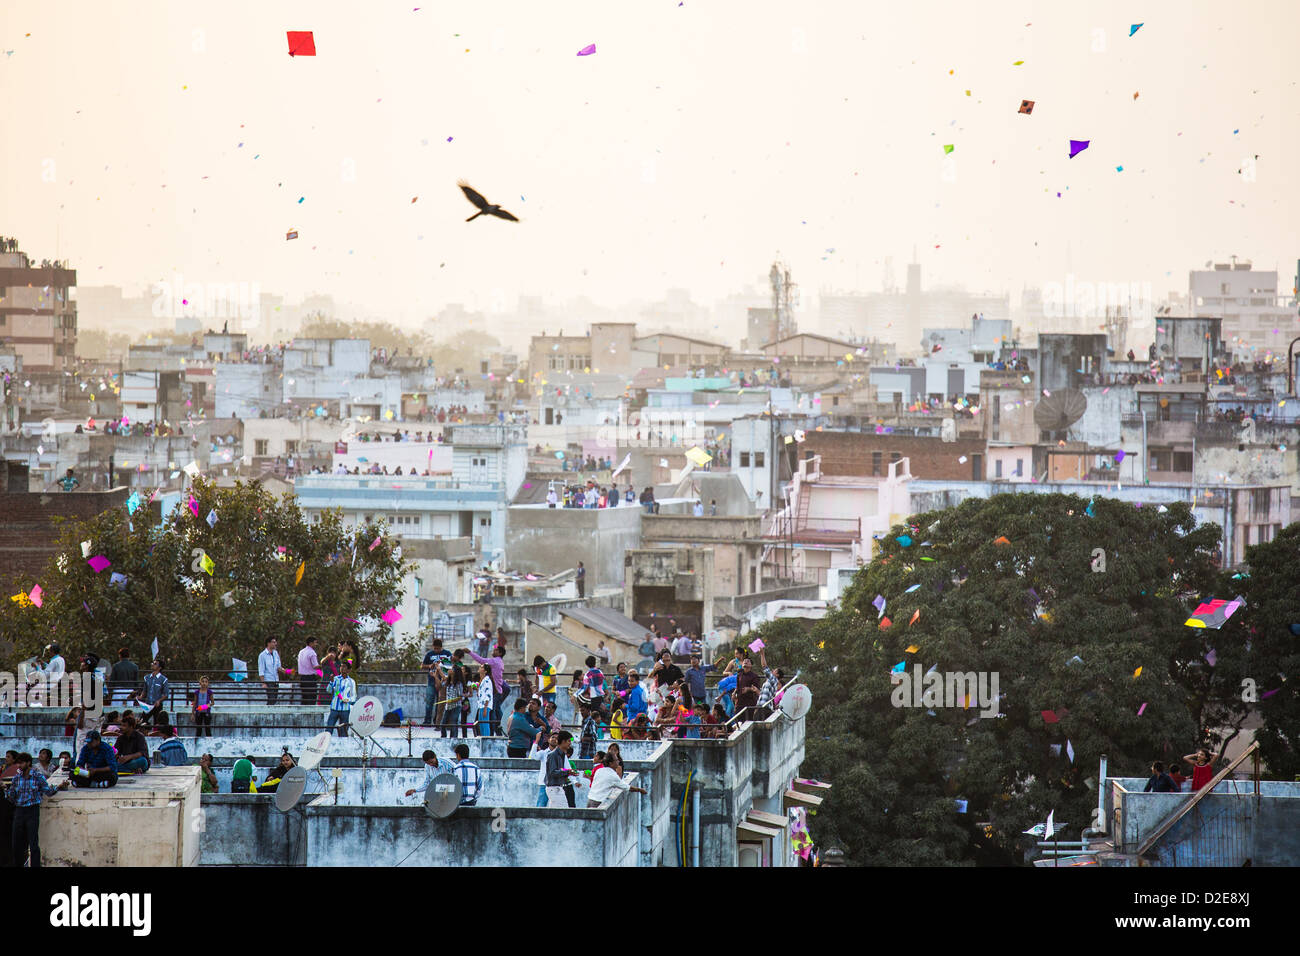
1006	588
1264	642
204	612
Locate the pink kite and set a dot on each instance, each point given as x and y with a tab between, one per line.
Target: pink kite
587	50
391	616
98	563
757	645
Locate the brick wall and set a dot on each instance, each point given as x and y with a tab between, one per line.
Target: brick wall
28	533
852	453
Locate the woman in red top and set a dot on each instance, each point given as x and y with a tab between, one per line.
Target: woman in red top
1202	768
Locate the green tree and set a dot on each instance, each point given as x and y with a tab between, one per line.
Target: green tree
1261	643
209	592
1001	586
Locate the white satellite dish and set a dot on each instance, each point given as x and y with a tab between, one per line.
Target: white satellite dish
314	751
289	792
559	662
796	701
442	796
367	715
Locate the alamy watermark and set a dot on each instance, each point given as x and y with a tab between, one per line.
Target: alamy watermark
78	689
1099	300
206	300
952	689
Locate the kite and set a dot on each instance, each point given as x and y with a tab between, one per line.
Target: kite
1134	28
212	518
1077	146
391	616
698	457
1215	614
98	563
301	43
948	148
291	234
298	577
1049	717
484	207
589	49
1026	106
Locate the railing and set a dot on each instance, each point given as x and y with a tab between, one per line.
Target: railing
1200	795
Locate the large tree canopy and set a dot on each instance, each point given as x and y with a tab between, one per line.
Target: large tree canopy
1263	642
225	571
1088	662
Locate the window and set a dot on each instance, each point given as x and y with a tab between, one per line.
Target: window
758	459
744	459
485	522
997	468
291	447
259	447
877	463
894	457
1182	461
1020	467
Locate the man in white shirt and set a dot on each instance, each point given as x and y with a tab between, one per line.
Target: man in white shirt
540	753
56	668
602	652
682	646
431	770
308	664
699	509
343	694
268	669
605	782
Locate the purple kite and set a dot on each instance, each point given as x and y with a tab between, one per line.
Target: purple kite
1077	146
587	50
98	563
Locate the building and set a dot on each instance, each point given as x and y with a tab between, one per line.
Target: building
38	310
1256	317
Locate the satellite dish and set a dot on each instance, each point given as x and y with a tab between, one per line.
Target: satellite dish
289	792
1060	410
314	751
796	701
442	796
367	715
559	662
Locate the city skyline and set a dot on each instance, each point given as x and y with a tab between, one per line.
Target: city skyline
658	162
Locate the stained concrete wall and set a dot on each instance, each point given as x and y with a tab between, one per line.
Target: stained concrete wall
474	836
778	751
147	820
546	540
246	830
720	770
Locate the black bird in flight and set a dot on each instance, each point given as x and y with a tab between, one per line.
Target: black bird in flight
484	207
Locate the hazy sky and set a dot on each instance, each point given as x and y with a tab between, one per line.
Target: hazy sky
699	141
